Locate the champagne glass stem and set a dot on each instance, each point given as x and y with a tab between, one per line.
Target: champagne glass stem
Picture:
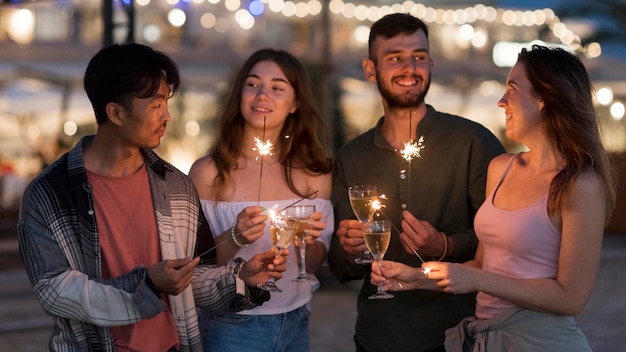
272	280
379	289
366	257
303	275
270	284
303	256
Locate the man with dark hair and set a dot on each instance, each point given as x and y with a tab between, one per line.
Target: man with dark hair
110	233
432	197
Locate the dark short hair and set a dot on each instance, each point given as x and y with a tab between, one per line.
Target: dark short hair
394	24
121	72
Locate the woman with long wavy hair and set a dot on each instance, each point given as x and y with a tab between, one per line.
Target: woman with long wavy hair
270	100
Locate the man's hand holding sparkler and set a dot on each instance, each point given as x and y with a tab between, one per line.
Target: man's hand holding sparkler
425	238
262	266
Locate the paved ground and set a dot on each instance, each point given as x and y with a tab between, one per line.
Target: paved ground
25	328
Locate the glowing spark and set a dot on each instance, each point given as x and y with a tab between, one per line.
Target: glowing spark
263	148
412	149
275	217
426	271
375	206
271	213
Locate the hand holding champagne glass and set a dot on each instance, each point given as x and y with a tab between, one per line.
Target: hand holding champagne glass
377	235
282	230
303	215
361	198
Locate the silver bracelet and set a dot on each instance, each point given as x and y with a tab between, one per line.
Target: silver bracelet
234	236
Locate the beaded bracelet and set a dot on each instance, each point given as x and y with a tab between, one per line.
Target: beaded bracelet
234	236
445	247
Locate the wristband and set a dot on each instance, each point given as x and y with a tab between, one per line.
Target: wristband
445	247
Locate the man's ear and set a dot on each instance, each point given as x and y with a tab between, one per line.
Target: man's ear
115	113
369	69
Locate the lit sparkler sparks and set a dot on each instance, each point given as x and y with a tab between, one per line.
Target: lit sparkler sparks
273	214
412	149
377	206
263	147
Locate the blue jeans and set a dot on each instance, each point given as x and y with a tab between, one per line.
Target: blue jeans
285	332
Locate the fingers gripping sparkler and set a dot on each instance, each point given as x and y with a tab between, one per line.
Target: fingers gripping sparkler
377	206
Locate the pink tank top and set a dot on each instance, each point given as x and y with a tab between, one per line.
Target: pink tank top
519	243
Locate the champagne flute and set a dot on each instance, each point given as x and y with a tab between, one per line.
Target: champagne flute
282	230
377	234
361	198
302	213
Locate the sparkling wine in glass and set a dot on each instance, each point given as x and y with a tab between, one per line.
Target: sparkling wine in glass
361	198
282	230
303	214
377	235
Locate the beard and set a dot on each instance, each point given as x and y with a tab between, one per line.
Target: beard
405	100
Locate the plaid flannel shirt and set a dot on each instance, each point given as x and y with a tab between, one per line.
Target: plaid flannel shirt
60	247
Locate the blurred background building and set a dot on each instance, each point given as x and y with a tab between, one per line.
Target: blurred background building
45	46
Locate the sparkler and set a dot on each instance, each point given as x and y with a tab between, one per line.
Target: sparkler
411	150
377	206
263	148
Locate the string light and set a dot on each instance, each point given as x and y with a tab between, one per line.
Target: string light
362	13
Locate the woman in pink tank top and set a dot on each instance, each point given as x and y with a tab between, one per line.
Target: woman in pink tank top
541	226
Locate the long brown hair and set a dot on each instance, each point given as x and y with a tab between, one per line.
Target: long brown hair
310	153
569	121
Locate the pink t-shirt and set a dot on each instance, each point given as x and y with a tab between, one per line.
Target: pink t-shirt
129	237
519	243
